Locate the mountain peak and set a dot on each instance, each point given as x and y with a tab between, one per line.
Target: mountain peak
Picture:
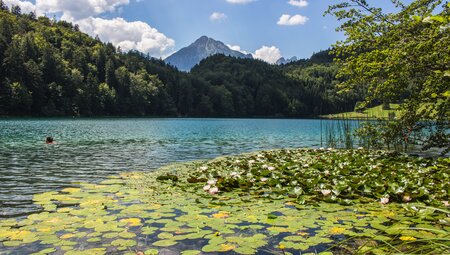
202	39
202	48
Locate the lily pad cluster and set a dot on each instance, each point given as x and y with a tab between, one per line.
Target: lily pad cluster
344	176
146	213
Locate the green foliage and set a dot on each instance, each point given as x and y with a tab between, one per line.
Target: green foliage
400	57
21	98
352	174
319	87
69	73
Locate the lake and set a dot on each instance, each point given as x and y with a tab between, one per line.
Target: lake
88	150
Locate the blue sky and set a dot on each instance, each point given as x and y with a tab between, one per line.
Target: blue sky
249	26
268	29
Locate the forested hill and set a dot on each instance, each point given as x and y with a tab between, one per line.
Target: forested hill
50	68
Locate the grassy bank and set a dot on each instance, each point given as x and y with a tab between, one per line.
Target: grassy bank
370	113
274	202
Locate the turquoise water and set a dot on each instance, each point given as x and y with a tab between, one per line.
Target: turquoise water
91	149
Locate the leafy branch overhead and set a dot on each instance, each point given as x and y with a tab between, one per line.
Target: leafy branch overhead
399	57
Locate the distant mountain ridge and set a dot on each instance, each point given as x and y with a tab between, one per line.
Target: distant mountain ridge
204	47
283	61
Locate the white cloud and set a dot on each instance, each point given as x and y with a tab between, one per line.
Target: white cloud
237	48
25	6
126	35
298	3
129	35
288	20
217	16
268	54
240	1
79	9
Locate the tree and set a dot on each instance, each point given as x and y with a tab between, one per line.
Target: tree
15	9
69	73
107	97
402	57
21	99
142	88
3	6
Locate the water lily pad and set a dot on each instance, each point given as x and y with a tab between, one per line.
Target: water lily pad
94	239
164	243
132	222
151	252
127	235
190	252
94	251
123	243
45	251
246	219
245	250
165	235
12	243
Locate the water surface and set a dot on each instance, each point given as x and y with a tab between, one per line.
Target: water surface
88	150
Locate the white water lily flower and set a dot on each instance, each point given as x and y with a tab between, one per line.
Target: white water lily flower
234	174
204	168
306	165
326	172
214	191
384	200
251	161
260	156
271	168
326	192
238	161
446	203
264	166
264	179
212	182
360	148
207	187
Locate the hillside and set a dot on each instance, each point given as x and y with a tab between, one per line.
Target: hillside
50	68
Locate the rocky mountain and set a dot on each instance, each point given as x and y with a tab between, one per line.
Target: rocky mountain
283	61
202	48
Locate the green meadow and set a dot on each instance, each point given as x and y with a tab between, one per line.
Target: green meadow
376	112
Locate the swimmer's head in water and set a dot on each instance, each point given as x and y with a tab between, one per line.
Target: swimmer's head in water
49	140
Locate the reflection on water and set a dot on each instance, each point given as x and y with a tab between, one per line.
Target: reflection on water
91	149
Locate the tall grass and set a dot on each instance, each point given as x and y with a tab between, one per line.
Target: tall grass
368	133
338	133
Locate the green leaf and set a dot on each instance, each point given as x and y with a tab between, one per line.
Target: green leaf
165	243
